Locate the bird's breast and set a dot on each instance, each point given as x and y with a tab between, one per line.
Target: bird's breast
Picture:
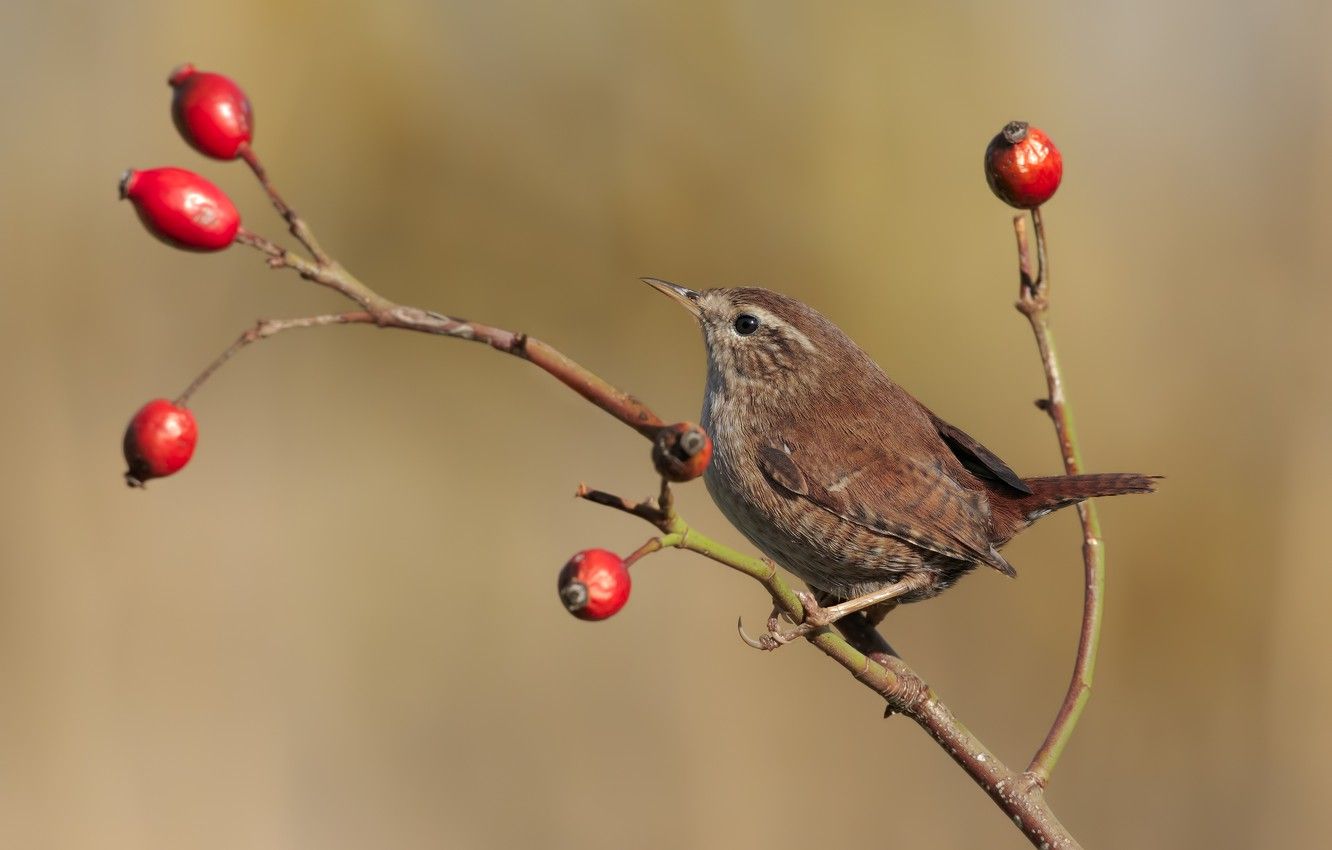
729	477
777	524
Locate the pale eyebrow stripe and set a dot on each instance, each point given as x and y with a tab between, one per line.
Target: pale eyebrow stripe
771	319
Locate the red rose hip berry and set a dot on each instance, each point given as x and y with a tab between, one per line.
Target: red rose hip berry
1022	166
181	208
594	584
211	112
681	452
159	441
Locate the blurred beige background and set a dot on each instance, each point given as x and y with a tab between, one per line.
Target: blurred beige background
338	628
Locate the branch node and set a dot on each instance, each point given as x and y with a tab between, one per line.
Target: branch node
1033	782
907	692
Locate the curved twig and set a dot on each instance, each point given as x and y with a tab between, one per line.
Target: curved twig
1034	303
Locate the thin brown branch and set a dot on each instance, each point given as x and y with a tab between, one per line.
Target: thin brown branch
1026	278
1033	302
1010	790
295	223
387	314
327	272
277	255
1021	800
621	405
263	329
655	544
646	510
332	275
1042	252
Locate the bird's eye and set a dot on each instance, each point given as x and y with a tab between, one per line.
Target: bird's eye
746	324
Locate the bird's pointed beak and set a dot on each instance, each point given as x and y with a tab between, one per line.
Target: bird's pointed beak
686	297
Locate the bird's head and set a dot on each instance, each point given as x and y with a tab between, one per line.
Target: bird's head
756	335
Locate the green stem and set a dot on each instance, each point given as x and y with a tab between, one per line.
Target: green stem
764	572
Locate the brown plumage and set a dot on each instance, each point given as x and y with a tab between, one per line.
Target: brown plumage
840	475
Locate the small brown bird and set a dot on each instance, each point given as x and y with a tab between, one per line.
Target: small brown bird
840	475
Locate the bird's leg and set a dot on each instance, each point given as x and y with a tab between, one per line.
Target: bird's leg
875	614
818	617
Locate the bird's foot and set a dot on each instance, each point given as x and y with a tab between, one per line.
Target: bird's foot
816	617
878	603
773	638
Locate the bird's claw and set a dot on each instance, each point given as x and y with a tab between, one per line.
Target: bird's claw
768	641
816	617
764	642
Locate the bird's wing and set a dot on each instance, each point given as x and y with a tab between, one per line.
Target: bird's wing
909	499
978	460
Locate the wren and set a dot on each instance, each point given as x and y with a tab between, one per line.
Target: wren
841	476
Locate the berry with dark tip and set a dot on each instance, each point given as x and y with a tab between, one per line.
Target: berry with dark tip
594	584
1022	166
681	452
181	208
159	441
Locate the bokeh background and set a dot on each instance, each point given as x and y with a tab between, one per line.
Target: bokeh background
338	628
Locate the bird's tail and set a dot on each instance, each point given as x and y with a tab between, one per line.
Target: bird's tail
1058	491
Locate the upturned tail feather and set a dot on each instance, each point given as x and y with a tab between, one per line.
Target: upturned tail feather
1051	494
1058	491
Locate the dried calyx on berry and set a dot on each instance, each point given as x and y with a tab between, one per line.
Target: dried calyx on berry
181	208
594	584
681	452
1022	165
159	441
211	112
